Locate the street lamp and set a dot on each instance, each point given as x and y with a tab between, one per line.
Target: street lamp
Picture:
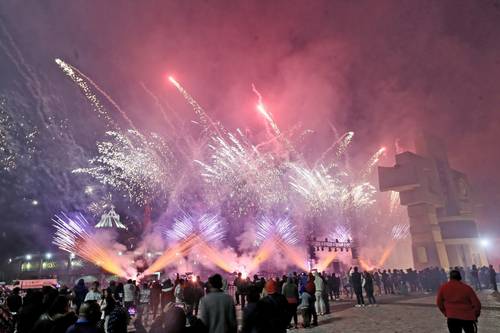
484	242
28	257
48	255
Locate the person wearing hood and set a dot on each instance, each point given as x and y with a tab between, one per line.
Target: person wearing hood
319	285
291	293
272	314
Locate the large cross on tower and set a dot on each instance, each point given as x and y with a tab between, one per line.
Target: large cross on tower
442	225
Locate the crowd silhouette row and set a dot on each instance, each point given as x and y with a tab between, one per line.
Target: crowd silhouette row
188	304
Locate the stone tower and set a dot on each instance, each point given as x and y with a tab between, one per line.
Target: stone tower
442	226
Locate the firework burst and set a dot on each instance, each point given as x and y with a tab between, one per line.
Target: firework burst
75	235
140	166
358	196
279	229
319	189
341	233
239	172
207	227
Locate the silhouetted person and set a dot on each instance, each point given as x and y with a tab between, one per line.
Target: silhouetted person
31	310
57	319
493	278
272	311
250	311
474	273
217	309
357	285
14	301
88	317
369	288
79	293
459	303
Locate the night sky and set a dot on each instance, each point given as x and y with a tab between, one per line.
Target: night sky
384	69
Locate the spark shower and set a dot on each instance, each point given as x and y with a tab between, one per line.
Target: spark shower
213	181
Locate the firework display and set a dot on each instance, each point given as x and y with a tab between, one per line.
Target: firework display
139	166
238	170
75	235
207	227
278	229
268	182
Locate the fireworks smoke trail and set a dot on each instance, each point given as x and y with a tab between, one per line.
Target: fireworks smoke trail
215	257
87	92
155	98
170	255
326	261
207	227
204	117
74	235
264	252
142	167
340	146
372	162
294	255
262	110
81	81
279	229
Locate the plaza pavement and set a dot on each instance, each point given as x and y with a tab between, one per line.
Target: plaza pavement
398	314
415	313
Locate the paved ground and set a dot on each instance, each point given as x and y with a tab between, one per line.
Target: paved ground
397	314
416	313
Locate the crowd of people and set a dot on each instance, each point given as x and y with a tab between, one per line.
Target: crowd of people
187	304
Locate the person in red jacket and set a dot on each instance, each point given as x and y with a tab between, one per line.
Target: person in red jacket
459	303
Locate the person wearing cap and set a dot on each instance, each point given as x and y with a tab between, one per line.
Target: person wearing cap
272	311
217	310
459	303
